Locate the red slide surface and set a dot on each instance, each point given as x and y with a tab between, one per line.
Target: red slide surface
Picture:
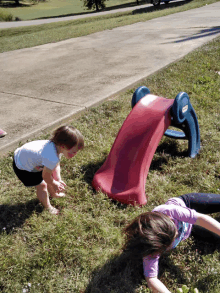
123	175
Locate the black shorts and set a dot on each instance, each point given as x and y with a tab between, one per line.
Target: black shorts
29	179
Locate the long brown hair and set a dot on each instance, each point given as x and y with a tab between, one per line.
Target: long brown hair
68	136
150	233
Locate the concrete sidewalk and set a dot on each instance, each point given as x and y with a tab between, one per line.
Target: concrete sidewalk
43	86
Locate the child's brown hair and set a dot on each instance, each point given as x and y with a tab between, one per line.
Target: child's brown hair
68	136
150	233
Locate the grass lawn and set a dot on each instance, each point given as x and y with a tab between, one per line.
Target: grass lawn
51	8
80	250
26	37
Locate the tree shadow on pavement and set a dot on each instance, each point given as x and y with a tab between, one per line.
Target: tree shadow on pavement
201	34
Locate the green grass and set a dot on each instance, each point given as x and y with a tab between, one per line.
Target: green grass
80	250
51	8
32	10
5	16
26	37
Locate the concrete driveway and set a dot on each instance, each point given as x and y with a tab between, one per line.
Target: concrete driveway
45	85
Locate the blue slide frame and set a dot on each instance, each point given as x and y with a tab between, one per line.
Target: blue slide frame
183	116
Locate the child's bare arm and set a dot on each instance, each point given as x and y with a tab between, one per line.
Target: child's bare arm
209	223
156	285
49	179
48	176
56	173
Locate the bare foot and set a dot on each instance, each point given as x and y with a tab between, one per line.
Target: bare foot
53	210
57	195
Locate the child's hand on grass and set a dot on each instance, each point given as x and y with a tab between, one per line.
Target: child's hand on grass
59	186
63	183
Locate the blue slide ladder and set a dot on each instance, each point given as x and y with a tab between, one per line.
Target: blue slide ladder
183	117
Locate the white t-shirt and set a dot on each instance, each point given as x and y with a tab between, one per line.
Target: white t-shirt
34	155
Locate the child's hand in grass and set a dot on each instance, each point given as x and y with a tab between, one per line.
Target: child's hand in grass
63	183
58	186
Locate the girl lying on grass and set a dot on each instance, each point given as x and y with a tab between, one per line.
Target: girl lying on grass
37	163
156	232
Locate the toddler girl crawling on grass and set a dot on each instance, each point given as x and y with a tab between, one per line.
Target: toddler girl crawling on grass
153	233
37	163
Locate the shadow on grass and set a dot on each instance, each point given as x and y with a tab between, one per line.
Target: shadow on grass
90	169
205	242
124	273
116	7
13	4
126	5
160	7
14	216
171	148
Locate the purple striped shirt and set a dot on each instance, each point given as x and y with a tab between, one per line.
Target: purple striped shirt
184	218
